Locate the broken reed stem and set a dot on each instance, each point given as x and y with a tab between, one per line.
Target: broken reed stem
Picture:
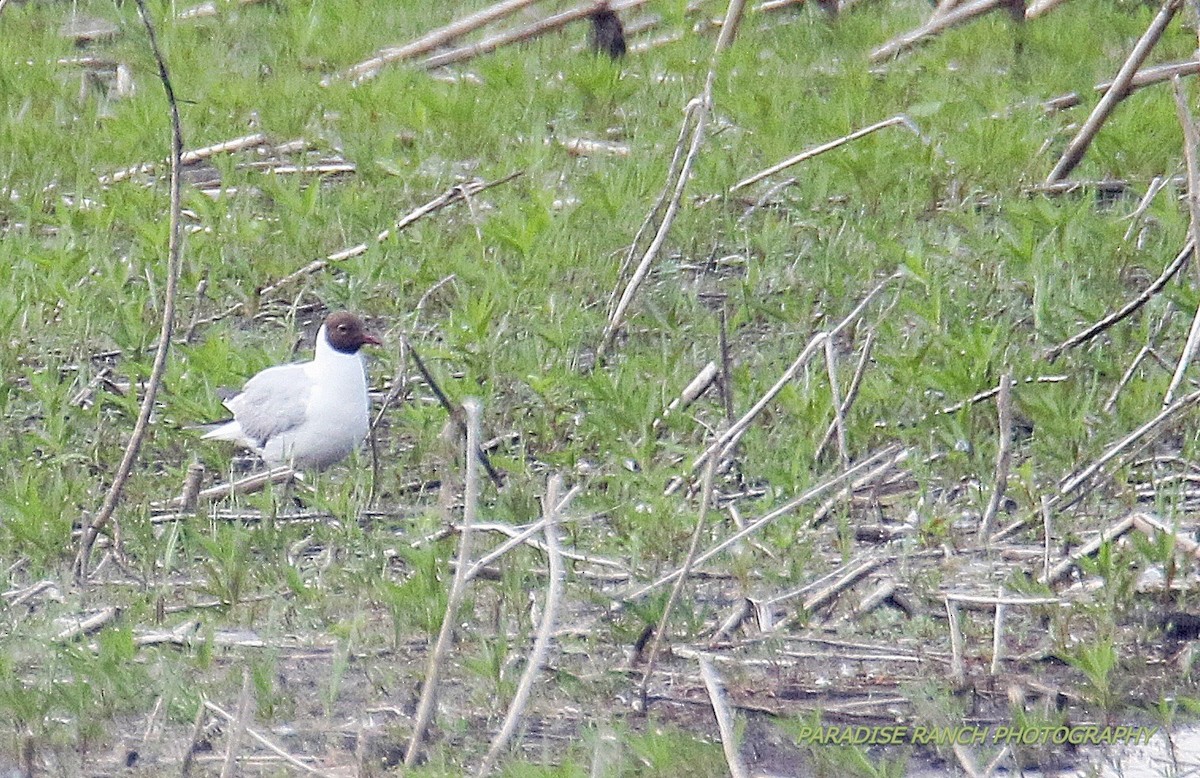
454	194
893	454
851	394
998	635
553	512
369	68
939	23
1060	570
1191	140
170	292
1003	456
698	110
655	211
451	409
1154	288
255	482
1074	483
706	493
835	396
240	724
458	586
1120	86
824	147
541	644
725	719
1143	78
521	34
262	739
253	140
958	670
735	432
1166	414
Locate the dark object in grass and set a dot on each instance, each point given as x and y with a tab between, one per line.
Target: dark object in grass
607	35
1180	625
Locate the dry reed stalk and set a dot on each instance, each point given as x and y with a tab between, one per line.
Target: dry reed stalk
803	156
1191	140
1063	568
706	493
1115	94
458	586
264	741
936	25
541	644
860	369
1003	455
725	719
163	349
890	454
369	68
696	117
739	428
1154	288
521	34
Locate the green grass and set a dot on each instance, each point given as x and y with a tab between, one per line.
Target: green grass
992	276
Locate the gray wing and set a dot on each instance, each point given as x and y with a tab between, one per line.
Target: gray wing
272	402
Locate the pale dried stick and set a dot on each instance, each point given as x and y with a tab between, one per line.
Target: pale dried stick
1143	78
1145	351
706	493
190	157
958	670
1060	571
690	393
735	432
541	644
900	119
852	393
1079	144
556	508
207	9
252	483
521	34
1003	456
849	575
725	720
1047	535
454	194
170	291
91	624
1191	139
240	724
998	636
835	397
700	108
458	588
370	68
938	24
1041	8
1073	483
1151	526
696	112
1157	184
894	453
1154	288
655	212
263	740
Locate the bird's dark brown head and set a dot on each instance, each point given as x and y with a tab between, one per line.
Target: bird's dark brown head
346	333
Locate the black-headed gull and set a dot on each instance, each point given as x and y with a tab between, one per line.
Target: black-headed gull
307	414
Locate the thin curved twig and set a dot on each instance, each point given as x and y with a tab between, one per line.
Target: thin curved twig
458	587
133	447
